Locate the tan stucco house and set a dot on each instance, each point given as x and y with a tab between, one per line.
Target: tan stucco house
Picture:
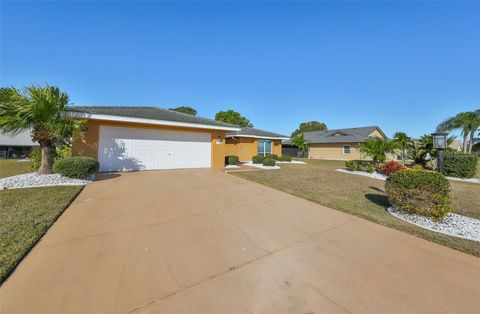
249	142
146	138
339	144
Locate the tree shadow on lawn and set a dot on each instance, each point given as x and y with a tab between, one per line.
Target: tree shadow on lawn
378	199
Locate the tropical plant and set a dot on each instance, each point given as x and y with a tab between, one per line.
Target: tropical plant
377	148
43	110
402	141
421	150
309	127
185	109
301	143
233	117
467	122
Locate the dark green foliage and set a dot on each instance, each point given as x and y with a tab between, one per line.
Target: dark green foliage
461	165
425	193
360	165
76	167
186	110
274	156
309	127
257	159
284	158
35	157
231	160
269	161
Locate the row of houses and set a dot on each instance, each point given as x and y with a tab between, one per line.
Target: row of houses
131	138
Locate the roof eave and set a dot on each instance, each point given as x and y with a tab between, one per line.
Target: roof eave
257	136
92	116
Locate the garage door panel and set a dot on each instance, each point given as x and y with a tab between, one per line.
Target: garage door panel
122	149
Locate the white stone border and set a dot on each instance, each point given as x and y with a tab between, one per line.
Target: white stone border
391	210
379	176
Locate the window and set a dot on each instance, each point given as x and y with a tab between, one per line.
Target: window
346	149
264	147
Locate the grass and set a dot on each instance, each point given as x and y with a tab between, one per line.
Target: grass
11	167
26	215
364	197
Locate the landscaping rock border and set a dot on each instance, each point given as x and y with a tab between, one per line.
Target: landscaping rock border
453	225
33	179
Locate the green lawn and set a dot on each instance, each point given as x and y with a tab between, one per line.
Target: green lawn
26	214
364	197
11	167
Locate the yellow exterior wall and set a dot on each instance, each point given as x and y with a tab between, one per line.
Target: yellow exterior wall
376	133
87	145
246	147
334	151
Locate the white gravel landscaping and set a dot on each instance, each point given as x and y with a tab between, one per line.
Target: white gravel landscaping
453	225
298	162
33	179
260	166
232	167
379	176
374	175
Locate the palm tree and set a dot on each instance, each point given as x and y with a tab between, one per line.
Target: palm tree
377	148
402	141
301	143
467	122
42	109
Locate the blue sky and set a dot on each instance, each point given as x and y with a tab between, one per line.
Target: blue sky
400	65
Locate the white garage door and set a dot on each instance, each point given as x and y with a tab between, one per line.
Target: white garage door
124	149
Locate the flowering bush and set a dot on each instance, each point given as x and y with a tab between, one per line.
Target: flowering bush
391	167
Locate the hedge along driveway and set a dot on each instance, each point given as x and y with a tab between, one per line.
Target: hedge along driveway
364	197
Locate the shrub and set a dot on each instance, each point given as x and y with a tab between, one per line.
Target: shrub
35	157
258	159
370	168
76	167
231	160
391	167
64	152
285	158
425	193
352	165
268	161
274	156
460	165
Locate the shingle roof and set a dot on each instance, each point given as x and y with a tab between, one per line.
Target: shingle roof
152	113
349	135
246	132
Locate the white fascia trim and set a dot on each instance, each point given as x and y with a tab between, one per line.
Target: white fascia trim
105	117
260	137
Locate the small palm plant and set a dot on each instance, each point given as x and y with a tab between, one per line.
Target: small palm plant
41	109
402	141
302	144
377	148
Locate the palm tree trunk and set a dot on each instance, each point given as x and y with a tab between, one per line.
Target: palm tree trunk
47	157
465	142
470	143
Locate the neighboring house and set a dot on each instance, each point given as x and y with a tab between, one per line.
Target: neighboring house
456	145
249	142
16	146
143	138
340	144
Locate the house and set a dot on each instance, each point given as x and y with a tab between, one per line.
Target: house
16	146
249	142
144	138
339	144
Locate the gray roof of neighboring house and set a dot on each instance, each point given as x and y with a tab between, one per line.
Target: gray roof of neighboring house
349	135
21	139
252	132
152	113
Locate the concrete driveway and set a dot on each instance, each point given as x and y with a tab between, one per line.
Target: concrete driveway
202	241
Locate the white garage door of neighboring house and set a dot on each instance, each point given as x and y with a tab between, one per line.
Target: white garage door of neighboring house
123	149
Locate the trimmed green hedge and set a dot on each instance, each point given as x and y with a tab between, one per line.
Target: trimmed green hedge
269	161
284	158
425	193
76	167
460	165
231	160
257	159
360	165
